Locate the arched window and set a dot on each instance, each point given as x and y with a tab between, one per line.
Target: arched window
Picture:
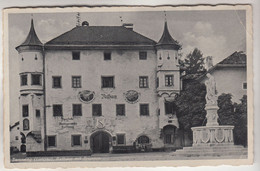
26	124
143	140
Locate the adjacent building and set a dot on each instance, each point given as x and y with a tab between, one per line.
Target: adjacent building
99	89
230	75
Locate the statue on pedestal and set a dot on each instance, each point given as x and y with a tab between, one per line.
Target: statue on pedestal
211	96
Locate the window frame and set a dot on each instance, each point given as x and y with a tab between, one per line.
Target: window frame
113	81
21	79
37	113
124	139
140	109
142	56
55	141
169	82
109	55
26	128
60	80
73	110
144	80
40	79
53	113
243	85
117	109
25	105
72	82
72	140
93	110
75	53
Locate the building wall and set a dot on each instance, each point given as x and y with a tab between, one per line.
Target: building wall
230	80
15	137
126	68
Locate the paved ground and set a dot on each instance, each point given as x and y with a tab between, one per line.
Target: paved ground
109	157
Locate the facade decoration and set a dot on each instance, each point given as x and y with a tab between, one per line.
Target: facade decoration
132	96
86	96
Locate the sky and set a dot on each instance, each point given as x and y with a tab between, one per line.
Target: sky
217	33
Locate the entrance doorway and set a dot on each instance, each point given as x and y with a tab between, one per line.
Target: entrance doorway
169	134
23	148
100	142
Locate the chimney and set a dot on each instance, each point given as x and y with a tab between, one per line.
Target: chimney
209	62
129	26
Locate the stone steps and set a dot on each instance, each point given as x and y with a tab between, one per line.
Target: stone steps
212	151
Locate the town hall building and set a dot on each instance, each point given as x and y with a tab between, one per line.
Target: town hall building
99	89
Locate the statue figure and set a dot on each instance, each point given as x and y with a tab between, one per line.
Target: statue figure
211	96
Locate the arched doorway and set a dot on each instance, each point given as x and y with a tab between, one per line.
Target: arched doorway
23	148
169	134
100	142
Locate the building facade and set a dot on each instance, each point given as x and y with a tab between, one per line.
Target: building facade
99	89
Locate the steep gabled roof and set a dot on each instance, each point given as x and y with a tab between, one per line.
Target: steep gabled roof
101	35
237	59
167	39
32	38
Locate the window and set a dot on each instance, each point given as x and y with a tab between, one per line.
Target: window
107	82
26	125
77	109
52	141
244	86
38	113
143	82
56	81
169	108
57	110
76	140
75	55
142	55
16	138
25	110
23	80
76	81
120	139
96	110
36	79
157	82
168	80
107	56
120	109
144	109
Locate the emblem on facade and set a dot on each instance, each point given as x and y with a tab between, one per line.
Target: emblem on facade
86	96
132	96
100	123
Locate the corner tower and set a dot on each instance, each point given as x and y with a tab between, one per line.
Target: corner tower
31	97
168	86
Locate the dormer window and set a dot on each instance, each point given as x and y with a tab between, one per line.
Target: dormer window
143	55
75	55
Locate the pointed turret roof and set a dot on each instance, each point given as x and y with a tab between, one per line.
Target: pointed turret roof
166	40
32	38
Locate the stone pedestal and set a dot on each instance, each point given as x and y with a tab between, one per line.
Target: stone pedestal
212	135
212	115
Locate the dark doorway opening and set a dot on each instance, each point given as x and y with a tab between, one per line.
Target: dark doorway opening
169	132
100	142
23	148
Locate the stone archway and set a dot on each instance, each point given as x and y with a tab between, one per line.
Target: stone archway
100	142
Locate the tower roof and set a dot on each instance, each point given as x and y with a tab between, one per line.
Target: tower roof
32	38
166	40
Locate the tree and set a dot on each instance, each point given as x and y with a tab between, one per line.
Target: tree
190	106
194	62
240	130
226	110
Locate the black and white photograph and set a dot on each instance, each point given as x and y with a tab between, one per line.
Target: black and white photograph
128	84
